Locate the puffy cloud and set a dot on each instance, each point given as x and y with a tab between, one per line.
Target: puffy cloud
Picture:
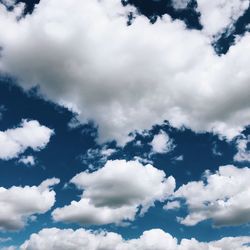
28	160
67	239
30	134
223	197
122	82
18	204
115	193
218	15
161	143
243	154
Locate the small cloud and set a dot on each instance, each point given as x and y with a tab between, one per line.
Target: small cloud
179	158
162	143
3	240
28	160
243	154
172	205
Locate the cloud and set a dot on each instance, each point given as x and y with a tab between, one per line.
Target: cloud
218	15
115	193
5	239
180	4
19	204
172	205
243	154
222	197
27	160
29	134
62	239
161	143
122	82
94	157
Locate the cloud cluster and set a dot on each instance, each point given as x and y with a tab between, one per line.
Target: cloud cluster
116	193
67	239
124	83
29	134
223	197
19	204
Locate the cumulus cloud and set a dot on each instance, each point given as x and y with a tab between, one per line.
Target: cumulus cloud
222	197
122	82
19	204
29	134
161	143
243	154
116	193
68	239
218	15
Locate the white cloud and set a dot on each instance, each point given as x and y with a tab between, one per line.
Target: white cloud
243	154
217	15
94	157
172	205
27	160
223	197
30	134
68	239
161	143
125	83
19	204
180	4
115	193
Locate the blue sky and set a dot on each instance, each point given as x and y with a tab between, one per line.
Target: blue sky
128	117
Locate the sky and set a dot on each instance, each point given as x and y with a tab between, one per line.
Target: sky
124	125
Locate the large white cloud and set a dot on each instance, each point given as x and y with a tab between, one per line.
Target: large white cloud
68	239
19	204
223	197
29	134
127	77
115	193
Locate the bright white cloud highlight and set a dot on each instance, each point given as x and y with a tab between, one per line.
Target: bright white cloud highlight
115	193
29	134
161	143
18	204
67	239
223	197
125	83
